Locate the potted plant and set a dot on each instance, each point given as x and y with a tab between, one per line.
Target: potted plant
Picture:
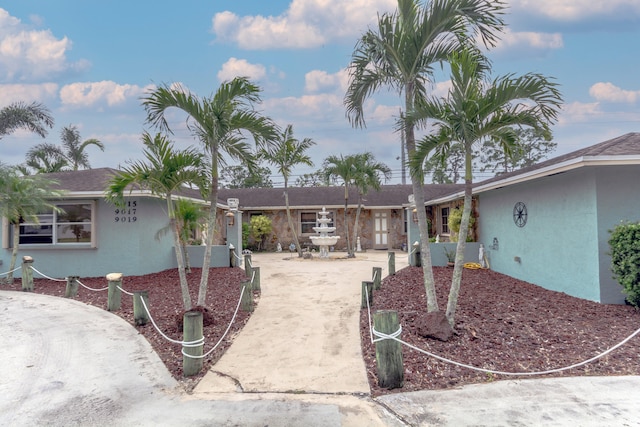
451	256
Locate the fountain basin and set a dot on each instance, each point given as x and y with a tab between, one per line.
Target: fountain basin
324	240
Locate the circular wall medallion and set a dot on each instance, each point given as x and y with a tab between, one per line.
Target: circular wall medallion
520	214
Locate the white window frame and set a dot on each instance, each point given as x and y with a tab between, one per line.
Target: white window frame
331	215
55	243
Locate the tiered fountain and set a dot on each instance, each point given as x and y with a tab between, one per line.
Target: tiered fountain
324	240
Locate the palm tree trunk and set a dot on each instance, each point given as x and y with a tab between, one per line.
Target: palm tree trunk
346	223
355	226
187	262
14	252
418	194
184	285
211	223
290	221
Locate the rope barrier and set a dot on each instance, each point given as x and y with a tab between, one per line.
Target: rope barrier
375	274
47	277
91	289
250	262
195	343
236	255
128	293
394	336
223	335
11	271
253	276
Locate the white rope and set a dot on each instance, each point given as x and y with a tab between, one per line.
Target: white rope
91	289
249	262
366	293
11	271
47	277
236	255
411	253
253	276
375	274
128	293
223	335
195	343
394	336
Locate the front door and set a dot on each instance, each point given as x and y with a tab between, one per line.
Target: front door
381	229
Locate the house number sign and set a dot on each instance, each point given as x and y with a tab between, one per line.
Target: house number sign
127	213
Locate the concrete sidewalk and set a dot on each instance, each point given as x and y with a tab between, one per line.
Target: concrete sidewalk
296	363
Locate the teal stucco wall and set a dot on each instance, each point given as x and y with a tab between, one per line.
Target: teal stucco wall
558	247
125	246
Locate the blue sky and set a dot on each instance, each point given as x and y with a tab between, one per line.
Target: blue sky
90	62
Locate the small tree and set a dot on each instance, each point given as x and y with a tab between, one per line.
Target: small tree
261	227
454	221
625	259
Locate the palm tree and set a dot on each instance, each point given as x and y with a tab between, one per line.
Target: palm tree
164	173
478	110
34	117
47	158
367	176
23	198
344	169
74	150
287	153
218	122
400	53
189	216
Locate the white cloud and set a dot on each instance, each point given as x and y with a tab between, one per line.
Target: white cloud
576	10
241	68
579	112
528	42
318	80
90	94
28	93
306	23
27	54
608	92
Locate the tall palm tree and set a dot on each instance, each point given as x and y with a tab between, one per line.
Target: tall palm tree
47	157
342	168
218	122
477	110
400	53
287	153
74	149
164	172
23	198
367	176
34	117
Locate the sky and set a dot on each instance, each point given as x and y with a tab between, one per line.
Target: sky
90	62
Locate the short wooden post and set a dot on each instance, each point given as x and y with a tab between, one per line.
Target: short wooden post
27	274
247	265
376	276
247	296
255	282
192	332
392	263
367	294
140	315
72	287
114	295
388	351
416	261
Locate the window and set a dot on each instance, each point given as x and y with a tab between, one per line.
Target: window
71	225
444	215
308	220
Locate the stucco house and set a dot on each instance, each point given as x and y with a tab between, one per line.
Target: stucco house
92	237
383	221
549	224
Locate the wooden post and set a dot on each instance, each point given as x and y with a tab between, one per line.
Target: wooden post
72	287
392	263
376	275
192	331
388	351
416	261
27	274
255	283
140	315
247	296
367	292
247	265
114	295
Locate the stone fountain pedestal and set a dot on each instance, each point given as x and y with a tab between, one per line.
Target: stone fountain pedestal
324	240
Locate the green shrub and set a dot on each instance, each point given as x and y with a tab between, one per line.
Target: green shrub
625	259
454	222
260	227
246	232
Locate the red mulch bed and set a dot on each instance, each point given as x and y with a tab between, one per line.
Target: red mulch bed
165	305
502	324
